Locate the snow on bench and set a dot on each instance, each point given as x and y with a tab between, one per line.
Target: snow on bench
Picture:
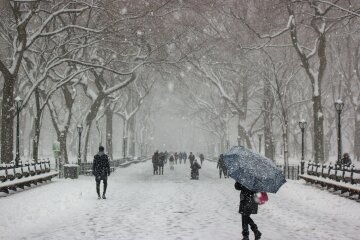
27	174
329	183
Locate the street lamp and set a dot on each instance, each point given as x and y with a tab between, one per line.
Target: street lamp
260	137
79	129
18	103
302	125
339	106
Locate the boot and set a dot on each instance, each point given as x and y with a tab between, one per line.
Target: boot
245	238
103	196
257	234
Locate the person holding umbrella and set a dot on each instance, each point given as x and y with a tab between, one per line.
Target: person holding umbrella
253	174
247	207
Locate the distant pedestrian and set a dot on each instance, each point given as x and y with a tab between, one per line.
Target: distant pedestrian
195	170
176	156
248	206
155	162
221	166
171	161
161	163
201	156
185	157
191	158
101	170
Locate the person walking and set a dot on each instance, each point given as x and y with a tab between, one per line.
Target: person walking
201	156
176	157
221	166
191	158
161	163
101	170
248	206
185	157
171	161
155	162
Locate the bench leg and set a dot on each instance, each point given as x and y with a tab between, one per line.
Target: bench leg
5	190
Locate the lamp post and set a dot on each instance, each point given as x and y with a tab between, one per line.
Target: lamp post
302	125
339	106
80	129
18	103
260	137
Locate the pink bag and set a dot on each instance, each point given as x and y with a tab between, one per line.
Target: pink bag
261	198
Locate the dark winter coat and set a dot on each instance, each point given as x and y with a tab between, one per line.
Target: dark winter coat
195	167
220	163
101	165
247	200
155	159
171	159
201	156
346	161
191	158
162	160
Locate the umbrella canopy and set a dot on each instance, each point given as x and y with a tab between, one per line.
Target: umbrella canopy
254	171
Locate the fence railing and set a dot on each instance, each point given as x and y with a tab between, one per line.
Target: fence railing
291	172
347	174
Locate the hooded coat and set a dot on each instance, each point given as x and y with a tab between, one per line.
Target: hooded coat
247	200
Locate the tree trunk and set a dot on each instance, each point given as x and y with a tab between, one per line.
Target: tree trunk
268	104
131	136
318	129
357	134
285	144
109	131
7	119
88	122
62	136
37	127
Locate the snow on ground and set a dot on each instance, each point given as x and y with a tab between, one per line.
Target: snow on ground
143	206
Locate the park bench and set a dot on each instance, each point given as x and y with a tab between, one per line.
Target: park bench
338	178
13	178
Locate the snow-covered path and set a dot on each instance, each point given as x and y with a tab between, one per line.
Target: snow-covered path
143	206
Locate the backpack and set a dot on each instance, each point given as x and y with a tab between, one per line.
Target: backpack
261	198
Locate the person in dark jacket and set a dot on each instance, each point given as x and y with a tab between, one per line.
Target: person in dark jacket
201	156
346	160
161	163
101	170
247	207
155	162
191	158
195	170
176	156
185	157
171	161
221	166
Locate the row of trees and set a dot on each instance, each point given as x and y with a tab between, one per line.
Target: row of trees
260	66
273	63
